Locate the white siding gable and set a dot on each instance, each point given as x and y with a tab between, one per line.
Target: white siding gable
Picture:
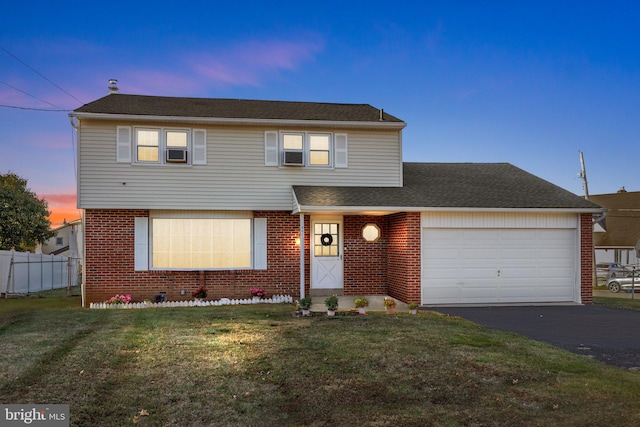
234	177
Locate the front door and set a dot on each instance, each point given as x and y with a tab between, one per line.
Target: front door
326	253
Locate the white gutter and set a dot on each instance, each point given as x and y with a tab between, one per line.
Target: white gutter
241	121
393	209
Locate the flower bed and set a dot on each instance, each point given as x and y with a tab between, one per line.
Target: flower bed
276	299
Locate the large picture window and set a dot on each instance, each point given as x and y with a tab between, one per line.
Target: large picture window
201	243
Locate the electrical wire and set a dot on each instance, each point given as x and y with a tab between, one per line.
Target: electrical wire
28	94
35	109
38	73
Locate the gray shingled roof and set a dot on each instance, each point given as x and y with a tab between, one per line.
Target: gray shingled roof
233	109
450	185
622	222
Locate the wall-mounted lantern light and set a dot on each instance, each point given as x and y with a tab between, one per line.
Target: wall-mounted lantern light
371	233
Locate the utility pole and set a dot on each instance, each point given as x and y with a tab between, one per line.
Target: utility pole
583	175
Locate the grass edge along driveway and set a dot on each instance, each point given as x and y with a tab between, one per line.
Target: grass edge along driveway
259	366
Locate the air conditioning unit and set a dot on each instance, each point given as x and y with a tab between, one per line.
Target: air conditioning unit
293	158
176	156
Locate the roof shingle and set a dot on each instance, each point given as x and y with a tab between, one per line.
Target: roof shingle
451	185
142	105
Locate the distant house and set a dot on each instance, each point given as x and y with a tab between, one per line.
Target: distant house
311	198
68	240
617	235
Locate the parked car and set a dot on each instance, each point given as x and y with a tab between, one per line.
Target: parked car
631	279
610	269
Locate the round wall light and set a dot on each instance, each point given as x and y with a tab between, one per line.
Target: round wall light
371	233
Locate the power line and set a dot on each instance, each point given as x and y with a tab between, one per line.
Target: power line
34	109
28	94
38	73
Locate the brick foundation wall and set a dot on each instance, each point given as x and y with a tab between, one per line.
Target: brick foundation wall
586	258
109	265
404	256
365	263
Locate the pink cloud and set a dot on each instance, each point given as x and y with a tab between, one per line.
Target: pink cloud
157	82
249	63
62	207
60	199
242	64
279	55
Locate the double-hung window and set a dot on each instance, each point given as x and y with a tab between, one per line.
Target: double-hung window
319	150
303	149
147	145
176	142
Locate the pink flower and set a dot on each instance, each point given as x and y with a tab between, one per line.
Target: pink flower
257	292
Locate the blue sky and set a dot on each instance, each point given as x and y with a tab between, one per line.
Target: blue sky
528	83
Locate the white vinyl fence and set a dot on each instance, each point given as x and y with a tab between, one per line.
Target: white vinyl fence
24	272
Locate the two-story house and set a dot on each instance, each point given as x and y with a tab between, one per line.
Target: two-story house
311	198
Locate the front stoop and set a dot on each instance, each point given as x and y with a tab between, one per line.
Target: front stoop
345	303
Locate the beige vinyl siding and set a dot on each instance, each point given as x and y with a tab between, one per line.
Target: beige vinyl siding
235	176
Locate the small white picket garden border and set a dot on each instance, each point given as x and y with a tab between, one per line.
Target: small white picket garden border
276	299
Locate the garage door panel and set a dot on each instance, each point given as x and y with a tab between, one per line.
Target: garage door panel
515	273
477	274
470	254
470	266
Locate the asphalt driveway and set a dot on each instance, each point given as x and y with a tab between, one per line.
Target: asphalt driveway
606	334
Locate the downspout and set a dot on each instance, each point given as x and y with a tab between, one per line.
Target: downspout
75	124
301	255
594	220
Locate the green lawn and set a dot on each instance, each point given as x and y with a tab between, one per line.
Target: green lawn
259	366
619	302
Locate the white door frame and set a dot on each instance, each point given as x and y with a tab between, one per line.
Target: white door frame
326	272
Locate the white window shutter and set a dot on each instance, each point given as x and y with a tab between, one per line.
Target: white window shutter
141	242
340	150
260	243
199	147
271	148
123	146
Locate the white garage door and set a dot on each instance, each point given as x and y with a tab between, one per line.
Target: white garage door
477	266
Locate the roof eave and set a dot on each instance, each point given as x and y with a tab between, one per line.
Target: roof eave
240	121
385	210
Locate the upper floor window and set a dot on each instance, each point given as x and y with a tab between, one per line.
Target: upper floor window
160	145
320	150
147	145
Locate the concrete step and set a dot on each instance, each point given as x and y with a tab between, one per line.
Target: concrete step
346	303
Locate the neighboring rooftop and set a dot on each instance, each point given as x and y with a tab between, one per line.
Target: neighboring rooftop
450	185
622	222
142	105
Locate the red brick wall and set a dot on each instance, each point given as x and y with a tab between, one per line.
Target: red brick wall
109	251
365	263
586	258
403	257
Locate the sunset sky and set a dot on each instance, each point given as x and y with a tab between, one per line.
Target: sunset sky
530	83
